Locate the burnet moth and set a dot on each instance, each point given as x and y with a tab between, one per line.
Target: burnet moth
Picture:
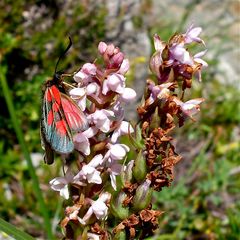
61	116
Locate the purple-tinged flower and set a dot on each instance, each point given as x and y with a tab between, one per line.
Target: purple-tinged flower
128	95
115	152
85	75
79	95
179	53
197	58
114	170
92	88
190	107
124	67
156	60
102	119
191	35
60	184
81	140
200	63
158	44
89	172
98	208
123	129
102	46
116	60
114	82
118	110
158	91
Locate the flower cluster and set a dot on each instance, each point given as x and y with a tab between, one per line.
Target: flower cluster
103	183
101	94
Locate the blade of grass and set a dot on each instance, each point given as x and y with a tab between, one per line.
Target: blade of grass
14	232
19	133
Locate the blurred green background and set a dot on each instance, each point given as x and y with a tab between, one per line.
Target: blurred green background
204	200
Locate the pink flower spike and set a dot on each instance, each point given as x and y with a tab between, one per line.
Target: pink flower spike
102	46
123	129
60	184
128	95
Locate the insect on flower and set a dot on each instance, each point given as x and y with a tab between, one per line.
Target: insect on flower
61	116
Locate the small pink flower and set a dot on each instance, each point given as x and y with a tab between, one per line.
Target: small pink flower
123	129
158	44
116	60
92	88
102	46
116	152
197	58
124	67
110	50
190	107
128	95
60	184
115	82
203	64
102	119
89	172
114	170
98	208
159	91
79	95
191	35
81	140
86	73
179	53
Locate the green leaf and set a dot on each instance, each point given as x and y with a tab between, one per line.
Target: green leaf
14	232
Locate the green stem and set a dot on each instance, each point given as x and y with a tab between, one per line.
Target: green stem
19	133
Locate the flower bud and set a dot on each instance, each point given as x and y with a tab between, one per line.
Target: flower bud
140	167
117	208
155	122
126	174
143	196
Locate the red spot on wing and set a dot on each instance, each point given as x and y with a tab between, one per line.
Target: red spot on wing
61	127
56	94
55	107
50	117
48	95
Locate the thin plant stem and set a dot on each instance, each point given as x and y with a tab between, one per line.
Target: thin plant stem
19	134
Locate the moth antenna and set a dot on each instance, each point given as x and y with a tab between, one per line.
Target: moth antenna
63	54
